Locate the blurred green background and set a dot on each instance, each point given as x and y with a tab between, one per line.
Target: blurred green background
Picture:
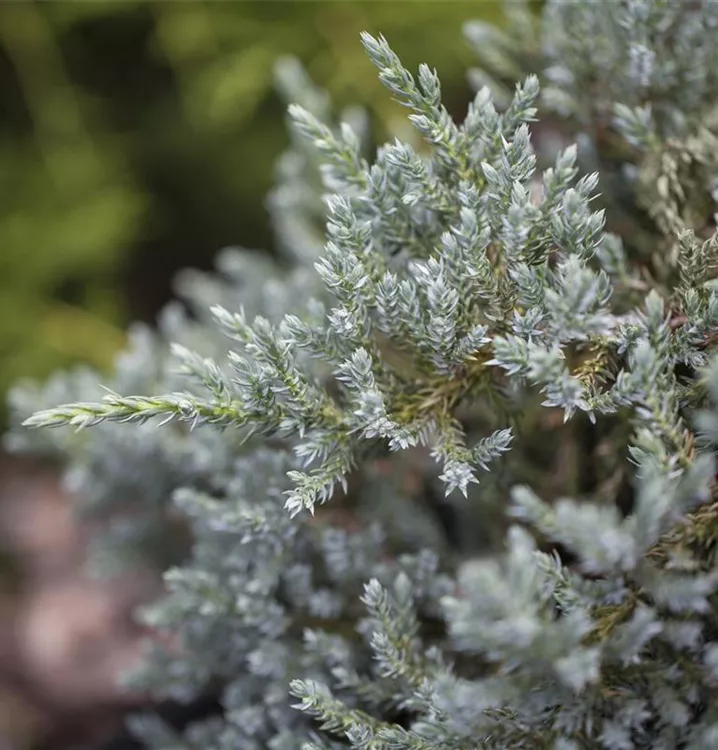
137	138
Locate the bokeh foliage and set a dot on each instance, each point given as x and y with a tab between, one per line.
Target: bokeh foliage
138	138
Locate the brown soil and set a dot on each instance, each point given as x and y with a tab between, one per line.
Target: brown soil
64	637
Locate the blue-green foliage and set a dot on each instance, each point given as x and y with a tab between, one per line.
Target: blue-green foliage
470	326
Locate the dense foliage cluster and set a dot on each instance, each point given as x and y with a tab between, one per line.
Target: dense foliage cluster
137	138
450	484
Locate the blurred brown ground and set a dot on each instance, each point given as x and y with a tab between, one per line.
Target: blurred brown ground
63	636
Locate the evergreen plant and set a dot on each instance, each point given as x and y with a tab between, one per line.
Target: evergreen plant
447	467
